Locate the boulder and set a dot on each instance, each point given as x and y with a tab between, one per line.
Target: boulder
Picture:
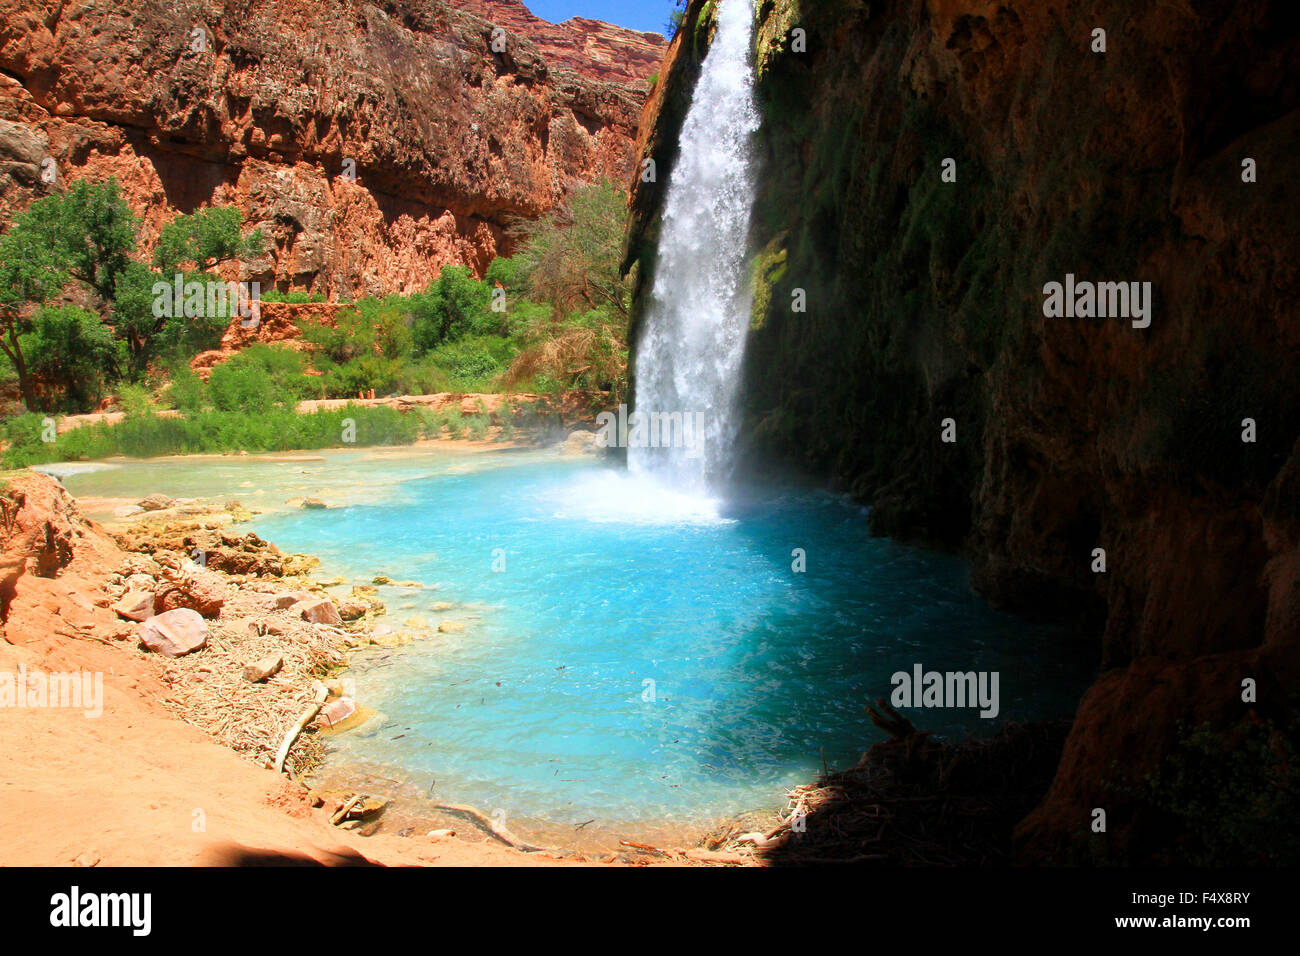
318	611
314	504
174	633
447	627
135	605
204	592
156	502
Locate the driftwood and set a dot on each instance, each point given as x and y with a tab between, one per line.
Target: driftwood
307	717
713	856
643	846
496	829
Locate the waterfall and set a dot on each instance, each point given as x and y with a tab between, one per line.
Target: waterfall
693	335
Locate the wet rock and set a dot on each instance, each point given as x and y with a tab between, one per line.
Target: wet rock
314	504
174	633
336	711
352	610
447	627
156	502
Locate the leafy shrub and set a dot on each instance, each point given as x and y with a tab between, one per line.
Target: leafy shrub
259	379
71	354
186	391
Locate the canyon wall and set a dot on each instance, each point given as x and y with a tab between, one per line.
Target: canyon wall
925	319
373	143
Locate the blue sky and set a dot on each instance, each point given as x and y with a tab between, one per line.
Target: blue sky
649	15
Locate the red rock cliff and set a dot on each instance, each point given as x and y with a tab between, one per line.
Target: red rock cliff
268	104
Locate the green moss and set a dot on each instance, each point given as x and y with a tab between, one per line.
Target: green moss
769	271
776	20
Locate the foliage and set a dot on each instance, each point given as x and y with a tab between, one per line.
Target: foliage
553	316
208	432
1228	800
259	379
204	239
73	354
186	391
574	253
93	230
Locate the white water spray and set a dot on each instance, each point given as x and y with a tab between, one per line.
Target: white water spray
693	340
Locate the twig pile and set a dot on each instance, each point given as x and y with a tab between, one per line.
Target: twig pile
208	688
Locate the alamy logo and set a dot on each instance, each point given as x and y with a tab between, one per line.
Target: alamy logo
651	430
209	299
1099	300
956	689
76	689
73	909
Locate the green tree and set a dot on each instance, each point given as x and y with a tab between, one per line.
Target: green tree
454	305
85	233
72	356
574	253
31	273
205	239
94	229
200	241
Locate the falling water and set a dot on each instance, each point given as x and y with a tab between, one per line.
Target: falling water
693	340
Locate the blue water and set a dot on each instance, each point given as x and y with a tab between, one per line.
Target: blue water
631	656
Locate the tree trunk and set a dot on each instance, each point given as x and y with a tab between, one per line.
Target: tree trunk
15	353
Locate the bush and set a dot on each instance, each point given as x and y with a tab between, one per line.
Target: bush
452	306
148	435
475	363
71	354
259	379
186	392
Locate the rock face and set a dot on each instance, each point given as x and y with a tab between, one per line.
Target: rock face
373	143
41	531
591	48
925	303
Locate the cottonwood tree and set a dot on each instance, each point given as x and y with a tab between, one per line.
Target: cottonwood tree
31	273
193	245
85	234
